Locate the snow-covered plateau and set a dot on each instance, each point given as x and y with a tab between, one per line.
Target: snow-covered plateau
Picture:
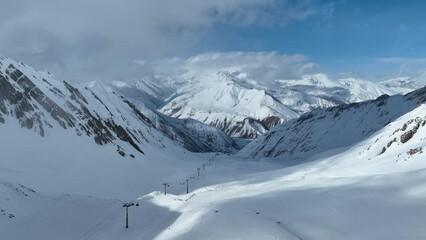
72	156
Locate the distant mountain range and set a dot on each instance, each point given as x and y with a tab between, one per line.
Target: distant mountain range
243	107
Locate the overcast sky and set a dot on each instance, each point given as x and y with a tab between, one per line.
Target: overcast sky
83	40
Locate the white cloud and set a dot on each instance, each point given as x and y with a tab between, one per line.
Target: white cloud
403	60
402	66
261	66
84	39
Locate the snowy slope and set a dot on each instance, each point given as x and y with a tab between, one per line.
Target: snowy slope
191	134
89	139
359	194
28	214
56	138
332	129
404	83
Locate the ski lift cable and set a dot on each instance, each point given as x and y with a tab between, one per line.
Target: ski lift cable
106	220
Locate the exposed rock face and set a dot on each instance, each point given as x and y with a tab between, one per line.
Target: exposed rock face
26	99
271	122
407	136
415	151
29	104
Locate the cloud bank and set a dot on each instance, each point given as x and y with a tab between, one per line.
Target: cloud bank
260	66
84	40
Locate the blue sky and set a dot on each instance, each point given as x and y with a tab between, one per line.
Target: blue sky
377	38
85	40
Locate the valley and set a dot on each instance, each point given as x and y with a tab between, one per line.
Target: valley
72	156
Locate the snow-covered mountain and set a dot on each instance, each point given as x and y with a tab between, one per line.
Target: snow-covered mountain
61	144
43	104
243	107
90	140
404	83
332	129
322	91
363	192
